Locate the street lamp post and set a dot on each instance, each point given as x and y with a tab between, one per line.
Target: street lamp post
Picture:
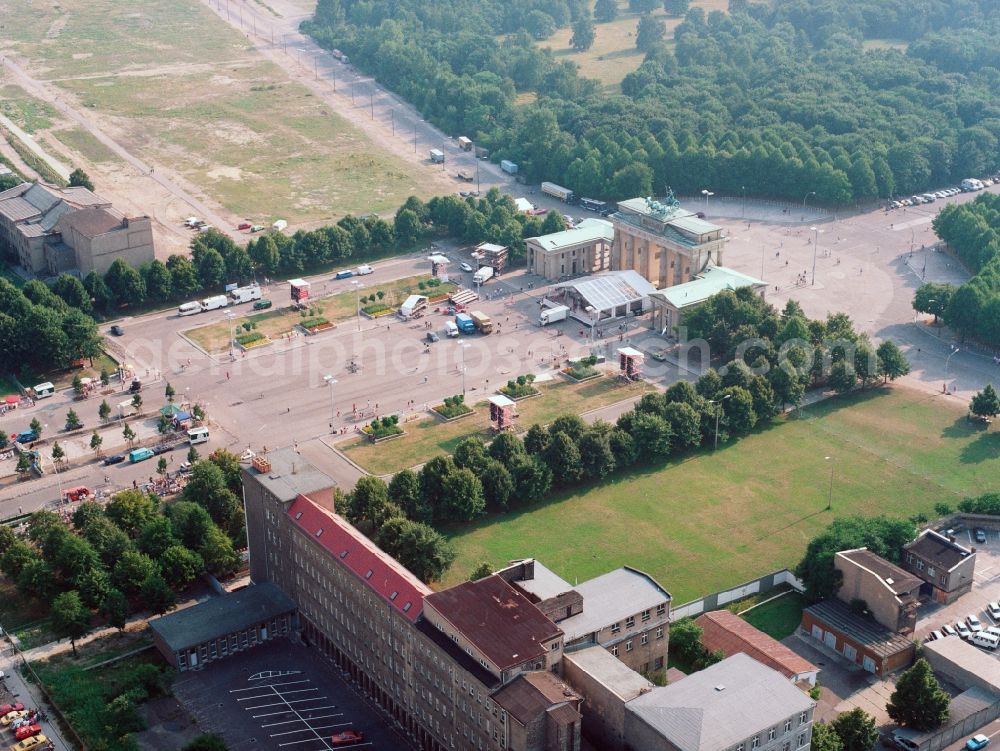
718	413
810	193
232	335
954	350
829	495
463	346
743	209
816	232
707	193
331	382
357	289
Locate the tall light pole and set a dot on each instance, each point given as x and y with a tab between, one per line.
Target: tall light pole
357	289
743	210
331	382
707	193
815	231
810	193
463	346
829	495
954	350
232	336
718	412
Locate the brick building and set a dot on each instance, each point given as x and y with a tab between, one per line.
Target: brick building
890	594
860	639
945	567
666	244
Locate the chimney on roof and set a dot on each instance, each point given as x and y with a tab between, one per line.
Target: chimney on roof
720	688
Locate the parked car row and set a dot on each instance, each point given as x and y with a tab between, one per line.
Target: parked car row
972	629
24	724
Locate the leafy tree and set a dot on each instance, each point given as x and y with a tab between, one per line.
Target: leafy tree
552	223
207	487
856	729
131	571
405	492
540	25
79	178
563	458
918	702
169	392
137	401
597	460
213	742
70	618
104	411
642	6
470	454
883	536
221	559
158	280
649	33
408	227
17	556
892	363
161	465
156	536
462	496
532	479
985	403
75	557
366	505
209	266
571	425
131	510
583	34
128	434
125	283
95	442
98	291
536	440
432	477
933	298
57	453
825	738
23	464
156	594
606	10
418	547
35	426
481	571
843	377
505	447
108	540
115	609
686	646
183	276
180	566
37	580
192	455
498	484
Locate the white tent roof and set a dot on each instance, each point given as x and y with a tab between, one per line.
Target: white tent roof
611	289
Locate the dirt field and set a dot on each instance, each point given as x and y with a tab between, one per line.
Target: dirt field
193	98
614	55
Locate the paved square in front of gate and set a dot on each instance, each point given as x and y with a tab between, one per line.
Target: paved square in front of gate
281	697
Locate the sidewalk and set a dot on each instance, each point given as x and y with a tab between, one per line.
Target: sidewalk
16	689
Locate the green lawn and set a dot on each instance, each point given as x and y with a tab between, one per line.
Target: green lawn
709	521
431	436
778	618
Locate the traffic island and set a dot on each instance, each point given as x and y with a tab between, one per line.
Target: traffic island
318	325
454	408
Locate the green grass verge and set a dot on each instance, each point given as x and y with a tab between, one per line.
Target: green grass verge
778	618
429	437
32	159
707	521
26	112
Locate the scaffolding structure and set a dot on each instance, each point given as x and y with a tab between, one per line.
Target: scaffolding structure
502	413
630	363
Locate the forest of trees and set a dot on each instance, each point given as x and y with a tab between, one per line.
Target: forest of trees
781	99
972	232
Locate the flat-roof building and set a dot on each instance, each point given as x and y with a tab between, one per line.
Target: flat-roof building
670	304
605	296
585	249
890	594
945	567
858	638
664	243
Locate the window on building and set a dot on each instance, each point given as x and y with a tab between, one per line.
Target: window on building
646	614
659	632
644	639
616	627
661	609
930	571
788	725
628	646
772	734
614	650
740	747
943	579
755	742
630	621
802	739
658	663
803	717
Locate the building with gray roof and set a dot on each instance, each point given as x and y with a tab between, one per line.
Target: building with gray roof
671	303
737	704
605	296
663	242
584	249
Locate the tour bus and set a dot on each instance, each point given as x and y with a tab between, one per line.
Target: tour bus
592	204
198	435
188	309
43	390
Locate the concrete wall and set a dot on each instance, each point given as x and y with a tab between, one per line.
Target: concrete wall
718	600
132	242
604	710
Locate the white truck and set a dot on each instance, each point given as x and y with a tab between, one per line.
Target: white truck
483	275
412	306
551	315
214	302
508	166
437	156
563	194
188	308
364	270
245	294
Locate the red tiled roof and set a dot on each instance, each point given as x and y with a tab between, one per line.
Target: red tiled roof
722	629
379	571
500	621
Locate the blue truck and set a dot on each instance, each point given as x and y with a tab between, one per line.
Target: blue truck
465	323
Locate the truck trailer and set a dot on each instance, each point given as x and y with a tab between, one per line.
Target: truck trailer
245	294
482	321
508	166
563	194
483	275
413	305
465	323
551	315
437	156
465	144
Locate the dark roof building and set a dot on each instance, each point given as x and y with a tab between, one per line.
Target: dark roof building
945	567
890	594
858	638
497	625
725	631
210	630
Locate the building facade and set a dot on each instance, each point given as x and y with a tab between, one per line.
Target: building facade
670	304
585	249
857	638
890	594
664	243
99	237
945	567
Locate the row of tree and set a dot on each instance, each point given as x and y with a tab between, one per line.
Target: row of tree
777	100
972	232
128	554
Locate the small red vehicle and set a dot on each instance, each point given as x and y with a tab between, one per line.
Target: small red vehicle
243	226
72	495
10	708
347	737
26	731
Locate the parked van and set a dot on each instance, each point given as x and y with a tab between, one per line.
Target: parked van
198	435
138	455
44	390
985	640
451	329
188	309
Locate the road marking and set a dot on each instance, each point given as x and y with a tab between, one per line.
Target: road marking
286	711
273	674
269	685
287	703
271	695
299	719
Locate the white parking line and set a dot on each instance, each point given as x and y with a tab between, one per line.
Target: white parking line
311	728
293	701
265	685
285	711
300	719
271	695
